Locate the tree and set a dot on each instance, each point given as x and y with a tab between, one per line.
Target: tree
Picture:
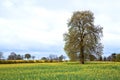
61	57
44	58
1	55
113	56
33	57
105	58
12	56
53	57
28	56
19	57
100	58
83	37
109	58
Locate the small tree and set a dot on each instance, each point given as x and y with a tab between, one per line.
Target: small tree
28	56
33	57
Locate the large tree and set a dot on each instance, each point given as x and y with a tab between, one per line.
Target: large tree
83	37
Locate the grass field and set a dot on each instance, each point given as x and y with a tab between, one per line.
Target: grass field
61	71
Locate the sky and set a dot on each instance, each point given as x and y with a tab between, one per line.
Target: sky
37	26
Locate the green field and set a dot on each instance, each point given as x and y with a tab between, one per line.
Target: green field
61	71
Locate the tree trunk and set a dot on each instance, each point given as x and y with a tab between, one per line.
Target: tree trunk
82	55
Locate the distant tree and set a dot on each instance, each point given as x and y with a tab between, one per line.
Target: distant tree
83	36
113	56
118	57
1	55
53	57
44	58
19	57
109	58
61	57
33	57
12	56
28	56
105	58
100	58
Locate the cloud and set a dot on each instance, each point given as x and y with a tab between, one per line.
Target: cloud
31	28
7	3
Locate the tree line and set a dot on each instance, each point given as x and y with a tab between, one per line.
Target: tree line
112	57
27	56
14	56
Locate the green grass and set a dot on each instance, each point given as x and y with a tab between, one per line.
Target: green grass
61	71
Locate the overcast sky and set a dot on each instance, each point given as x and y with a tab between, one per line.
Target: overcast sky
37	26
